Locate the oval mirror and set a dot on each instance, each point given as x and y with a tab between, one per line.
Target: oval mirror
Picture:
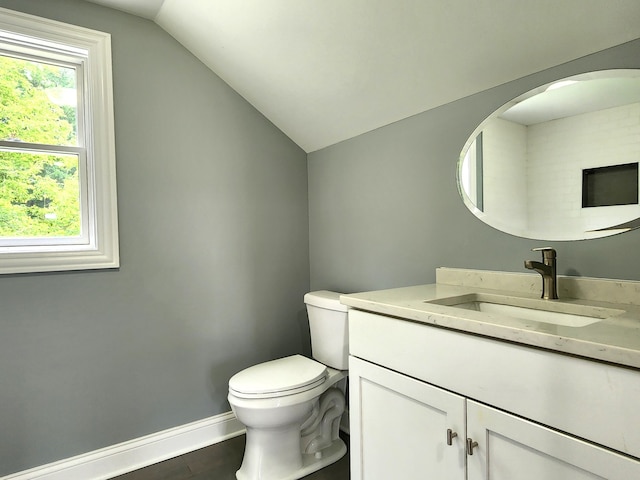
559	162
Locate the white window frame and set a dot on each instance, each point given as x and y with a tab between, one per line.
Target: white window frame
97	246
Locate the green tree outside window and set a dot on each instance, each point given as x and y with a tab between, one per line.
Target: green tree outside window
39	191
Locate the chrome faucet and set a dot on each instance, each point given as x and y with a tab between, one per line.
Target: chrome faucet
548	271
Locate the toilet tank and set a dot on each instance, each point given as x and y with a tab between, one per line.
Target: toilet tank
329	328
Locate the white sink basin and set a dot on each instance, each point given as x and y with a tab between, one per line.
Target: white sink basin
547	311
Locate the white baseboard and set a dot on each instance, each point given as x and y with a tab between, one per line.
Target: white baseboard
141	452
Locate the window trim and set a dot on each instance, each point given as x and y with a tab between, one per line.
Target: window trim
102	249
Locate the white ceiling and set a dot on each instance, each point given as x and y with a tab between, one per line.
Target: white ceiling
327	70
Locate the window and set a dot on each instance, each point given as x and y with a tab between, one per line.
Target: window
58	206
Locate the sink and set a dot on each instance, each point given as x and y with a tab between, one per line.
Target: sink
546	311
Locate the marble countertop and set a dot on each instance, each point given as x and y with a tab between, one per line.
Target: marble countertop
614	339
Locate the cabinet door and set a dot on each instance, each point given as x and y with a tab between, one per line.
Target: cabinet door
510	448
399	427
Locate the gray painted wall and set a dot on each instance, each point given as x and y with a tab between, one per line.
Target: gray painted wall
385	211
214	252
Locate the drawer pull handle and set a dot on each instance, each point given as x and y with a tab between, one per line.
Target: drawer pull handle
470	446
450	436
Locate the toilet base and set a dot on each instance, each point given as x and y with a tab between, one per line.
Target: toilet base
311	462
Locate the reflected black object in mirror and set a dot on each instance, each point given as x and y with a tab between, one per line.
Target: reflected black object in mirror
608	186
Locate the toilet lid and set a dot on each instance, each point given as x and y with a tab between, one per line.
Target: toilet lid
284	376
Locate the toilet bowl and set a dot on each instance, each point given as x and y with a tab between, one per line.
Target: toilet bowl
291	406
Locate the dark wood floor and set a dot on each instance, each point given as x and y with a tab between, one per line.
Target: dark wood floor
220	462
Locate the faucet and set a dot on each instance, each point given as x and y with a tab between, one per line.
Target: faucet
546	268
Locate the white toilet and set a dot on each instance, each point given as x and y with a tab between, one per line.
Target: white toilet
291	406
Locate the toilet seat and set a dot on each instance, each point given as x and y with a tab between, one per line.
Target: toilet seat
277	378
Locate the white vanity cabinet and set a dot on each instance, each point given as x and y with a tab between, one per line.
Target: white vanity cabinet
399	427
416	388
511	448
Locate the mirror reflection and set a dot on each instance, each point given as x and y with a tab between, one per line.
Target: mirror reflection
560	162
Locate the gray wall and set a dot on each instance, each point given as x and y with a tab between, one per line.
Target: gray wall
214	263
385	212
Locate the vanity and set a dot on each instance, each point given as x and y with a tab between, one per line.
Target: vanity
475	377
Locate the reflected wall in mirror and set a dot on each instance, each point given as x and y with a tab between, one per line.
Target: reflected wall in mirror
529	168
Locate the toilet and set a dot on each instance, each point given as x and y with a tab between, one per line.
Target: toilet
291	406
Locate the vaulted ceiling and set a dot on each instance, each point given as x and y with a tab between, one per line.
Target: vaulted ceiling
327	70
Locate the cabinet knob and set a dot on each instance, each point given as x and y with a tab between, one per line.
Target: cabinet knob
450	436
470	446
